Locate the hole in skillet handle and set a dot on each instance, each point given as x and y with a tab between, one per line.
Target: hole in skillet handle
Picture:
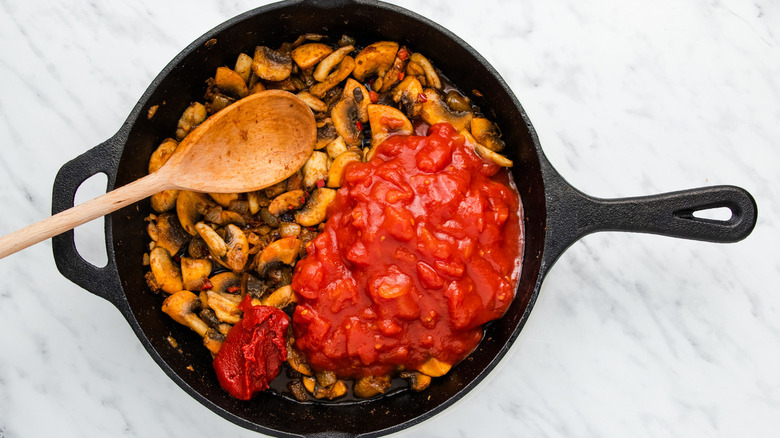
101	281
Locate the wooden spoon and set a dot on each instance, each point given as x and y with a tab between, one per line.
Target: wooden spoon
254	143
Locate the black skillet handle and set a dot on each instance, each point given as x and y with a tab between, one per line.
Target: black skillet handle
572	214
101	281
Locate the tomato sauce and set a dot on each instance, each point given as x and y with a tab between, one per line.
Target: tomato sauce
421	248
252	354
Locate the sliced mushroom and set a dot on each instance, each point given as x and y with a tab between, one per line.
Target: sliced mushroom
194	272
336	148
271	65
190	207
395	74
408	93
417	381
434	367
357	91
375	58
312	102
193	116
326	133
371	386
284	250
296	359
276	189
431	77
457	101
337	390
347	122
287	201
213	340
237	248
224	305
308	55
280	298
181	306
287	229
333	79
224	199
330	62
214	241
164	201
315	169
161	155
493	157
230	83
244	66
315	210
336	171
166	274
256	200
434	110
167	232
226	283
386	121
295	181
486	133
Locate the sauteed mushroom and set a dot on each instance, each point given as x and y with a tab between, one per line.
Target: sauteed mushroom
434	110
271	65
309	55
375	58
167	275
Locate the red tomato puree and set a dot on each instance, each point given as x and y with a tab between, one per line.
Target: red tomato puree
253	352
421	248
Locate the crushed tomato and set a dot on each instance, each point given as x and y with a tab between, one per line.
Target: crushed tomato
421	248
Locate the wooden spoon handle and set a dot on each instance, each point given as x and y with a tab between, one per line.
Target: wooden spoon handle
82	213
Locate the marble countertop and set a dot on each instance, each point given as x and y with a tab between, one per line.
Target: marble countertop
632	335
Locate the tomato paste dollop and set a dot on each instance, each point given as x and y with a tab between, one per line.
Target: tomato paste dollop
253	351
422	247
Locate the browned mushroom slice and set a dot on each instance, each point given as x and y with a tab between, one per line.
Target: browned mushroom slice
326	133
357	91
224	199
226	283
308	55
271	65
161	155
165	272
386	121
375	58
485	153
330	63
431	77
434	367
164	201
417	381
280	298
315	169
486	133
315	210
434	110
194	273
337	146
371	386
409	93
190	207
244	66
167	232
457	101
296	359
181	306
214	241
237	248
230	83
312	102
284	250
224	305
193	116
334	391
347	121
287	201
213	340
344	69
396	72
336	171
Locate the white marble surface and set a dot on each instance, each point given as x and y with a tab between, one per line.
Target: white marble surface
633	335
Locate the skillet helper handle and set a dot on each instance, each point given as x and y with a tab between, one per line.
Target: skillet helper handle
672	214
101	281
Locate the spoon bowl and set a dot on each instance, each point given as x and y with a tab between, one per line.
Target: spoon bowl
254	143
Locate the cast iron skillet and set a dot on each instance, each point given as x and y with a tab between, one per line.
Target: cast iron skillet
556	214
